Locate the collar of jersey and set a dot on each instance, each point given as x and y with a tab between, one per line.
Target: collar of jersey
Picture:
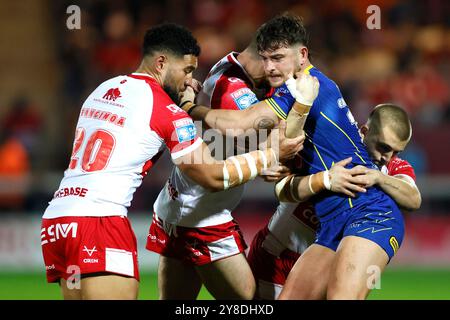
142	75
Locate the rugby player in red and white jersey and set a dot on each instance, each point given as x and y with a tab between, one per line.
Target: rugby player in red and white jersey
193	229
124	125
276	248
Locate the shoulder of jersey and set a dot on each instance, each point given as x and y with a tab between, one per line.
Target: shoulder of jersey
158	92
325	82
398	165
395	161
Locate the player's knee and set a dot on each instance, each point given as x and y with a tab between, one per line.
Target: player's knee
249	293
247	289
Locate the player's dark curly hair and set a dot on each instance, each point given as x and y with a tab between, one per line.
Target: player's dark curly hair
281	31
172	38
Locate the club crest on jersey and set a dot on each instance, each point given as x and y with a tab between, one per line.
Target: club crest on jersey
244	98
281	91
185	129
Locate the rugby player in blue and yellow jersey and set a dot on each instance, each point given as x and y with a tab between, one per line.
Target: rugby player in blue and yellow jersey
355	233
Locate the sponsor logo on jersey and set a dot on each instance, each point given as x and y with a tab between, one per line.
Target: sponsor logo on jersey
72	191
351	118
244	98
185	129
173	193
90	252
235	80
112	94
174	108
154	238
57	231
341	103
305	213
394	244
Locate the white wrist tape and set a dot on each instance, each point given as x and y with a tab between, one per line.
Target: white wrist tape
309	184
302	100
292	191
292	87
326	180
238	168
275	155
226	177
264	159
252	165
279	186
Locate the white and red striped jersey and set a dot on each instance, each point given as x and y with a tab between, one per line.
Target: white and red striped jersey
293	225
182	201
123	127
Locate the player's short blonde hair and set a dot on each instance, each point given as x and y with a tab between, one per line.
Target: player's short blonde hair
388	114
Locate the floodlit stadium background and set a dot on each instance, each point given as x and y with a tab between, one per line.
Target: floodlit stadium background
46	71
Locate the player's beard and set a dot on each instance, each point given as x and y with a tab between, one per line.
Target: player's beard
172	93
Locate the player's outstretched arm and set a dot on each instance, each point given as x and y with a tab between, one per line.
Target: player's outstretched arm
215	175
401	188
262	115
234	122
295	188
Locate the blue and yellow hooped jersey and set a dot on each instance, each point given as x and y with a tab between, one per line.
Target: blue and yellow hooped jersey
332	135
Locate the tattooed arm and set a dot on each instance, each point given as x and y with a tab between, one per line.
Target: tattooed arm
232	122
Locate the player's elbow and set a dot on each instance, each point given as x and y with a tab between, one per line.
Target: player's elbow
209	177
212	184
414	202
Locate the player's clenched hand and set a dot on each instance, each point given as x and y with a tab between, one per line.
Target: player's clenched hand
194	84
275	173
287	148
304	88
370	176
347	181
188	95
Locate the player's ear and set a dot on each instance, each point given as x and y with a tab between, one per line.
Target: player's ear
160	62
364	129
303	53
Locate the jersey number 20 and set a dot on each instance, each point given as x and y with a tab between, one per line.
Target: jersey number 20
97	153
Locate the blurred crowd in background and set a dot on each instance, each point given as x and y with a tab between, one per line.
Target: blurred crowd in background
406	62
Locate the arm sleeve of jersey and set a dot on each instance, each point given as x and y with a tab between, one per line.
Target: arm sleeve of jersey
232	94
403	168
177	130
281	101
